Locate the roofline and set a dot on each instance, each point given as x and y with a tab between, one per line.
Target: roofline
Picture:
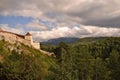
12	33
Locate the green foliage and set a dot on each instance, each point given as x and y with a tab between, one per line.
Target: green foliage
29	64
88	59
114	64
48	48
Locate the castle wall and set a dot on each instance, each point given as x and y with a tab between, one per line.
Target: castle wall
36	45
27	40
12	38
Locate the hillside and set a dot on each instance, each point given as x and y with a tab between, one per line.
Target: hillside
88	40
53	43
21	62
88	59
62	39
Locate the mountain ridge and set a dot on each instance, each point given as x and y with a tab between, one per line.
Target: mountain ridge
56	41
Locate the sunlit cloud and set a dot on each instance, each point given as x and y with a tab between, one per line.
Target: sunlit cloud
75	31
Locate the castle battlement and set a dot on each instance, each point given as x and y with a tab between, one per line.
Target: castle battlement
13	38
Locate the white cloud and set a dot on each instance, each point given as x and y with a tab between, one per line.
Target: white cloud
75	31
101	31
9	29
35	24
66	31
56	33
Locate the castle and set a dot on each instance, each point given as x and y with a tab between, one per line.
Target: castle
14	38
25	39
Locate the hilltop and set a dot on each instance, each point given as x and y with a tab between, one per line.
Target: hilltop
13	38
85	59
22	62
26	39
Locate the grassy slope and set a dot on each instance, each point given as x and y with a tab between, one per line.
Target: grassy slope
27	64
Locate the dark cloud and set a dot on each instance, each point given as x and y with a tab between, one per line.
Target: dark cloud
98	13
105	13
113	22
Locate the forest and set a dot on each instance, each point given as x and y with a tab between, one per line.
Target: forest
86	59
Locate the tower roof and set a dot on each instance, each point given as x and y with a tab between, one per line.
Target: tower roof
28	34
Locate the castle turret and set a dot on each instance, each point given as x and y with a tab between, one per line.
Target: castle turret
28	37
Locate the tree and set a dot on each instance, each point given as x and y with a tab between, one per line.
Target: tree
114	64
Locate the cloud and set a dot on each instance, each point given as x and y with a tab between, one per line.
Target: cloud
79	31
35	24
95	31
55	33
101	13
95	17
75	31
17	30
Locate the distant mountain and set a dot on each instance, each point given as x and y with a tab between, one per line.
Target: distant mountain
62	39
88	40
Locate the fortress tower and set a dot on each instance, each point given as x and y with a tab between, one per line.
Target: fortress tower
28	37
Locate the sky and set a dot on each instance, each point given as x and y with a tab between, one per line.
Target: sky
48	19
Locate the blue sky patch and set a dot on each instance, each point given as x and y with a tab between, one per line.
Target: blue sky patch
12	21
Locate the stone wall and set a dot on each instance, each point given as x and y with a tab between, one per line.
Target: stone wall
13	38
36	45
